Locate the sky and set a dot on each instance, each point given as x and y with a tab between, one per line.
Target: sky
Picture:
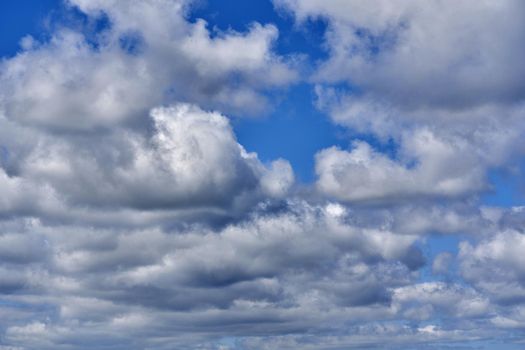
266	174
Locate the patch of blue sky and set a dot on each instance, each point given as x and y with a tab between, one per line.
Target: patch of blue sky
24	17
38	19
294	130
508	188
434	245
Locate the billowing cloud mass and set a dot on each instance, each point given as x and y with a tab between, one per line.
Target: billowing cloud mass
150	55
428	167
133	217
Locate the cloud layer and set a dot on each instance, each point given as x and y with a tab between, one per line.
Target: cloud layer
131	217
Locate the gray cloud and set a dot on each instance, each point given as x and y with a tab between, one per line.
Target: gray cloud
495	265
280	271
432	54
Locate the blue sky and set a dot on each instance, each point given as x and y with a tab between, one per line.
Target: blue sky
275	174
21	18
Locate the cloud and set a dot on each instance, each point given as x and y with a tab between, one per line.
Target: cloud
495	265
191	159
420	300
280	272
274	272
414	54
71	83
429	167
442	262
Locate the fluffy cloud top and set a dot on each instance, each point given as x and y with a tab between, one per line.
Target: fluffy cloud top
190	159
431	167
